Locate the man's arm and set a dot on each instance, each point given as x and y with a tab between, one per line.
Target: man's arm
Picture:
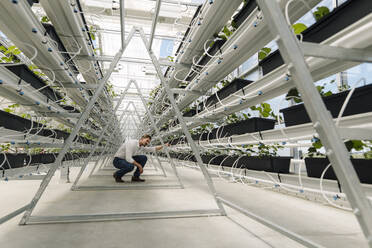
154	148
158	148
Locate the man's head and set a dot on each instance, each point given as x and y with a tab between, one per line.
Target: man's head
145	140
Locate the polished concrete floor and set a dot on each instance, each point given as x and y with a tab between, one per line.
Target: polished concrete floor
325	225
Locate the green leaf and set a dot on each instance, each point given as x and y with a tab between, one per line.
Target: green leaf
8	110
263	53
44	19
267	50
298	28
320	12
317	144
328	93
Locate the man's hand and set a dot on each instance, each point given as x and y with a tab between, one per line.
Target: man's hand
158	148
139	166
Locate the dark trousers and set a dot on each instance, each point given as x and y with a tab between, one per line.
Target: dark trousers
124	166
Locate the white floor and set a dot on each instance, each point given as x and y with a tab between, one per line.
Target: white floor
325	225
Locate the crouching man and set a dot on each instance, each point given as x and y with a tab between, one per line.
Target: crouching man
127	158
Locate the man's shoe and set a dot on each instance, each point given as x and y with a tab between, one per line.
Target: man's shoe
137	179
118	179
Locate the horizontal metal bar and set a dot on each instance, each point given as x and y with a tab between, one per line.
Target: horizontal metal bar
57	114
339	53
13	214
129	186
124	216
100	175
180	3
183	91
106	58
85	86
280	229
355	133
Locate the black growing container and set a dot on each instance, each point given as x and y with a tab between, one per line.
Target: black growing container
234	86
212	159
216	47
31	2
24	73
17	123
14	160
269	164
54	36
190	113
316	166
360	102
42	158
247	9
251	125
326	27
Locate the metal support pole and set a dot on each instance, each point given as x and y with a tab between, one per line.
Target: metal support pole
107	158
113	133
84	116
157	131
99	138
122	23
135	109
154	22
293	56
182	122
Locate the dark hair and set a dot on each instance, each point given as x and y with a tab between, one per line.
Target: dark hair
145	136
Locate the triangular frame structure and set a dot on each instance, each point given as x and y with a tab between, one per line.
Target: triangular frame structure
219	211
75	186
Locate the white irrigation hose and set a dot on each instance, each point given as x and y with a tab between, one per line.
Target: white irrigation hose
22	63
347	100
323	194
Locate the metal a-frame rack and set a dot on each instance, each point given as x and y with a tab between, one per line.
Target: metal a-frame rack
131	186
29	219
293	53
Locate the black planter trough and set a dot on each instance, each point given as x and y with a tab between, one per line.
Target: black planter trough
316	166
326	27
251	125
247	9
231	88
54	36
268	164
213	159
212	50
14	160
190	113
360	102
24	73
31	2
17	123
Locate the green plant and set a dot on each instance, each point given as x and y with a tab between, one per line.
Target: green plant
264	110
298	28
202	128
36	70
11	108
110	90
294	95
92	32
263	53
10	54
5	147
170	58
351	146
267	150
320	12
44	19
